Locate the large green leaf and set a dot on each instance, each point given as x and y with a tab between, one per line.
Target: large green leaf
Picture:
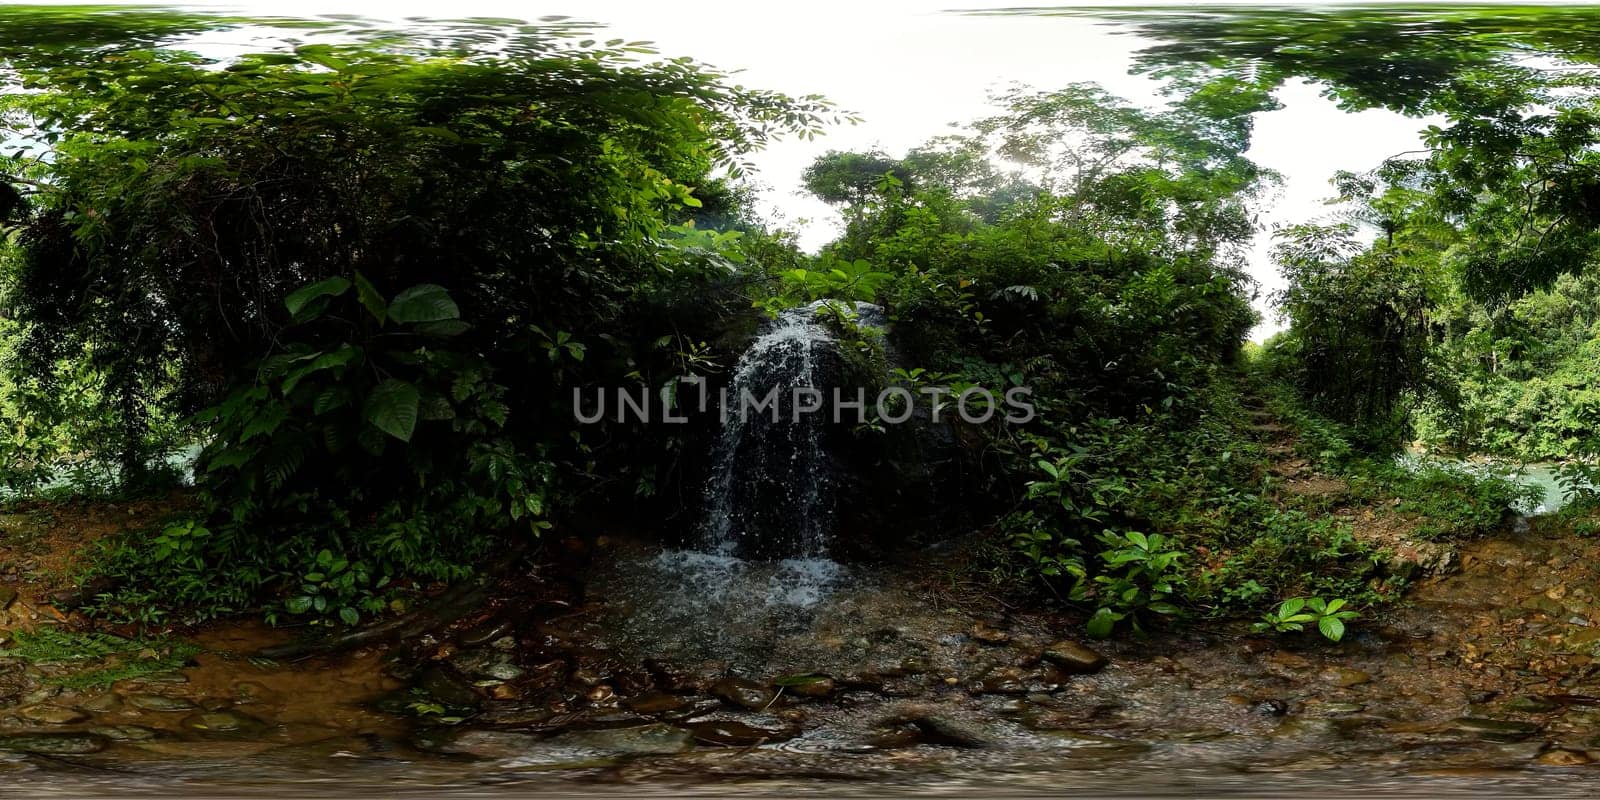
424	302
392	408
370	298
301	297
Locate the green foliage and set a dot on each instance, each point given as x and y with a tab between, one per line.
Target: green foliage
1140	574
366	275
1293	615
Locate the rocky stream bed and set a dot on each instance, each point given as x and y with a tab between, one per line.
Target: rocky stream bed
1484	682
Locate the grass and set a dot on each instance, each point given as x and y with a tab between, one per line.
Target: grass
98	659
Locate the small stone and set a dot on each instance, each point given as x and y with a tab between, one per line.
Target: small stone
744	693
158	702
8	595
52	715
1074	658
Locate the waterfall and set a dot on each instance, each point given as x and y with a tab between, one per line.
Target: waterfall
770	492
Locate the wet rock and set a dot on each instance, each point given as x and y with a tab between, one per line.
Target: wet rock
1585	638
728	733
1345	677
601	695
102	704
1001	680
942	729
811	686
989	634
656	739
223	722
51	714
1074	658
1284	658
655	703
1531	704
478	743
1563	758
125	733
1494	729
159	702
56	744
743	693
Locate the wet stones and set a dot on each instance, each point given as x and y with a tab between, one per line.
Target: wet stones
809	686
655	739
1074	658
55	744
743	693
480	743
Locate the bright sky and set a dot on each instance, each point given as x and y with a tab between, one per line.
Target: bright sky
910	68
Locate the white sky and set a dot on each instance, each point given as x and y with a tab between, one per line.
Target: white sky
910	69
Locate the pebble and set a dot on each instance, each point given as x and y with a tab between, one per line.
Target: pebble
744	693
1074	658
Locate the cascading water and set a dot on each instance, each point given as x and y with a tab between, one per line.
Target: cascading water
762	564
768	496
